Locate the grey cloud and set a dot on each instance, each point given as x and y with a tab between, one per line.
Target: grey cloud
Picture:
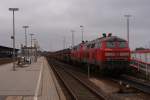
52	20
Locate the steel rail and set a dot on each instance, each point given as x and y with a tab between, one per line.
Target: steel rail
76	97
136	84
65	84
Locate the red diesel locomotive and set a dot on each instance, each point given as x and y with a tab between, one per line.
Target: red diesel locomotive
108	54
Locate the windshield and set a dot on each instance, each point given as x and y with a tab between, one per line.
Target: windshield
110	44
122	44
114	45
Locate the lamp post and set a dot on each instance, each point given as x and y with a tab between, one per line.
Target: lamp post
31	39
13	37
149	45
128	27
82	30
31	53
26	43
64	43
35	49
25	28
34	41
72	31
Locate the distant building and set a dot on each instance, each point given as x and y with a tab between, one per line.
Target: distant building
7	52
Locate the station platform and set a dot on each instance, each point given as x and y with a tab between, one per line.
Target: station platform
30	82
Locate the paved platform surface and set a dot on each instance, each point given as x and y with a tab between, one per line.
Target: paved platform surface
32	82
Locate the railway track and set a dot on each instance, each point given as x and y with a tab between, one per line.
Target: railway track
79	88
144	87
134	86
133	83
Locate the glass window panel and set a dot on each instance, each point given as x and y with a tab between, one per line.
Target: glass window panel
110	44
122	44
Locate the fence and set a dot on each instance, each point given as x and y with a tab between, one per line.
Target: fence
141	61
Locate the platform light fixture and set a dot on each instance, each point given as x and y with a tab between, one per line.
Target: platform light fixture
31	38
35	46
82	30
25	28
72	31
128	26
13	37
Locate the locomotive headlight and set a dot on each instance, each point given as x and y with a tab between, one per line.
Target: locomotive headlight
109	54
124	54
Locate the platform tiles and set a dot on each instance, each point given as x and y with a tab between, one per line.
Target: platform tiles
32	82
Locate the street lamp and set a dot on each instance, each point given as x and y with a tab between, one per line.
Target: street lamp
149	45
72	31
34	41
13	37
26	44
64	43
35	49
31	39
25	28
82	30
31	51
128	19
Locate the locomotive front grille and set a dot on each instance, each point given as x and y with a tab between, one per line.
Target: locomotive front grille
120	54
117	56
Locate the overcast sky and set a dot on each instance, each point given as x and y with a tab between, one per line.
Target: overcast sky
52	20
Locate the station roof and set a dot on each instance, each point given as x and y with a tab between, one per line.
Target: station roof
6	48
142	51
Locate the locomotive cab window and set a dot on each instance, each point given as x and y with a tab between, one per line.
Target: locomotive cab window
122	44
110	44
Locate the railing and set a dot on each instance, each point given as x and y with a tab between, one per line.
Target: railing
141	66
143	55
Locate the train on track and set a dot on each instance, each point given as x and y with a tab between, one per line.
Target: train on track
108	54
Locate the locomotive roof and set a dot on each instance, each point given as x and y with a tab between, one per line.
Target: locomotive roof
108	39
112	38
